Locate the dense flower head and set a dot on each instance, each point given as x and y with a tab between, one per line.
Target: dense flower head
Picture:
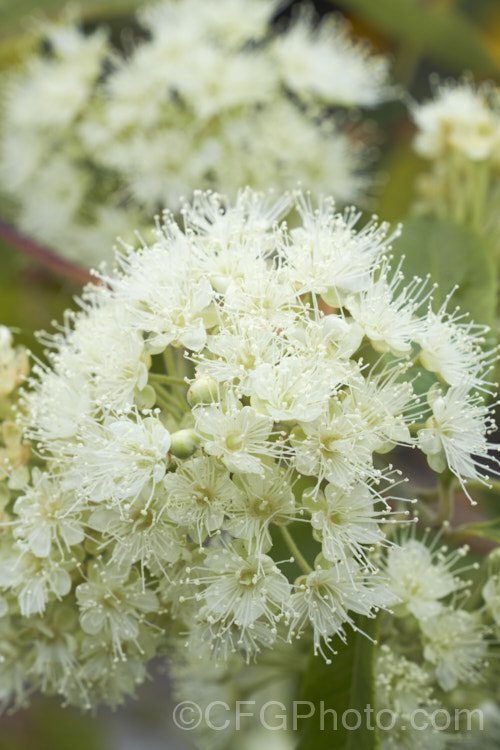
210	94
215	423
405	687
435	645
458	133
461	117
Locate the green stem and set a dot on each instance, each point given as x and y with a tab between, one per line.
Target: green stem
171	374
168	402
169	360
476	595
181	401
167	379
297	554
458	195
446	497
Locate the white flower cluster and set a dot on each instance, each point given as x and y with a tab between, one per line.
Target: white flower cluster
405	689
458	130
425	581
435	646
430	643
270	688
461	117
214	422
212	95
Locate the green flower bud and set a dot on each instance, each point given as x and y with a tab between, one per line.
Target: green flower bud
202	391
146	398
184	443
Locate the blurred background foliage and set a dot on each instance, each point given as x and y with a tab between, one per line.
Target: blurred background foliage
421	36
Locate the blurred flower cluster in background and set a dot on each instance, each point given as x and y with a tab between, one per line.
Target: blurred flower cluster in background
218	361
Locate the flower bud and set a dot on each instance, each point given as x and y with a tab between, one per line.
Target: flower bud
202	391
146	398
184	443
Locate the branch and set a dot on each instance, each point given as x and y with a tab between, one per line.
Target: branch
44	256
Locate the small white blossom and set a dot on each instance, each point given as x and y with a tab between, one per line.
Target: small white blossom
452	348
325	596
338	446
113	604
263	501
456	435
460	117
34	580
49	517
404	688
294	389
240	590
421	577
328	256
239	436
386	311
199	495
455	646
119	458
139	531
346	524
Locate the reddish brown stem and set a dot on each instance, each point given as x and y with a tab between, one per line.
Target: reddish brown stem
44	256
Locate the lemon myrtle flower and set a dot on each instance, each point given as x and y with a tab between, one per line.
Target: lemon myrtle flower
216	456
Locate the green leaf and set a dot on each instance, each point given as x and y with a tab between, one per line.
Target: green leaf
453	255
484	529
348	683
46	726
400	168
444	34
